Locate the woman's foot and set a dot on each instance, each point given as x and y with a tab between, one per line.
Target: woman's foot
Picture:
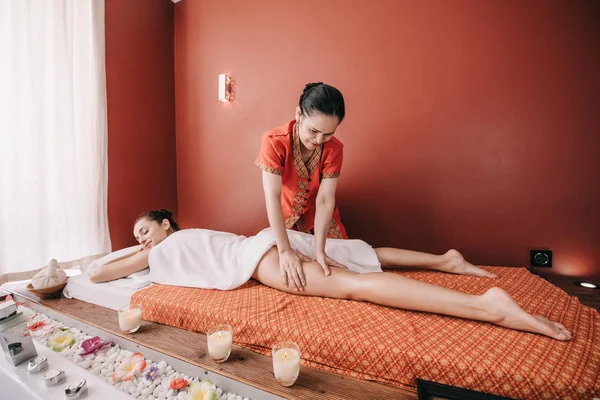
504	311
454	263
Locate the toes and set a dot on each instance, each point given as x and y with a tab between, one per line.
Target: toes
561	328
560	335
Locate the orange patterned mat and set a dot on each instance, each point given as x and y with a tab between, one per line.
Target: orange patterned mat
383	344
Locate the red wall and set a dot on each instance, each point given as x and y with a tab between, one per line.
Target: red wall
469	124
141	112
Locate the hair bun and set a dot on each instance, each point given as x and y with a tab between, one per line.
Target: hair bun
311	85
167	213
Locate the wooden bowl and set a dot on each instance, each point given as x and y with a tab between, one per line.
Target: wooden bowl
49	292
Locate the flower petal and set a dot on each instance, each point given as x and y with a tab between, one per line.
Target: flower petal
118	374
92	345
137	357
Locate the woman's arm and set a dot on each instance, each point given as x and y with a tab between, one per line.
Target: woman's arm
290	261
272	185
121	267
325	205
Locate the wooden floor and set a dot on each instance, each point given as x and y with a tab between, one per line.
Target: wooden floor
243	365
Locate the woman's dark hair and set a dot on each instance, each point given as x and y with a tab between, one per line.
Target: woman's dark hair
159	216
323	98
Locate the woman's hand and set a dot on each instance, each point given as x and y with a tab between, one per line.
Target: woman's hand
327	262
290	265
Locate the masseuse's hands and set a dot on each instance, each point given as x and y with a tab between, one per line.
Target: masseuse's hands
290	264
327	262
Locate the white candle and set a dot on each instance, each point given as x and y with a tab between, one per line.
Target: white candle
219	345
286	365
130	320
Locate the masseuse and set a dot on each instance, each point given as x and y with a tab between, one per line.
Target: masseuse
301	163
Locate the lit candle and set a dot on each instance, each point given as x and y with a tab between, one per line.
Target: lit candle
219	343
286	362
130	318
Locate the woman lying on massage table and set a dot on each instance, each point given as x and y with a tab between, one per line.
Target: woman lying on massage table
218	260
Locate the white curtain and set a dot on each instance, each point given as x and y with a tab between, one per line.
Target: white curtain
53	132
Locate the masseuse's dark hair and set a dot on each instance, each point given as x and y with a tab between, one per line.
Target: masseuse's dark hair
159	216
323	98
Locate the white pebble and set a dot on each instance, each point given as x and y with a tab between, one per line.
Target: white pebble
182	395
161	370
86	363
66	352
77	359
128	386
158	390
245	398
169	368
100	359
95	371
171	398
171	393
133	390
96	364
109	366
161	397
111	351
148	391
89	356
238	397
151	397
112	358
162	364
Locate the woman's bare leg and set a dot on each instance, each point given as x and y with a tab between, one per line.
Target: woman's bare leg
494	306
452	262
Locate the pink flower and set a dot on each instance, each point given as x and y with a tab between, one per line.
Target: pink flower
129	367
92	345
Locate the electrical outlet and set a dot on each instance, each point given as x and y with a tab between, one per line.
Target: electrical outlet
540	258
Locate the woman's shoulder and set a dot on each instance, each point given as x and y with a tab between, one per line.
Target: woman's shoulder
280	133
333	147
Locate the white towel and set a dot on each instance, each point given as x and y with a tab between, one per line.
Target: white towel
217	260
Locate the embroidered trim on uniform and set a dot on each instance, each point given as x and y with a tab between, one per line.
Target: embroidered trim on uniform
273	170
304	170
331	176
301	226
334	231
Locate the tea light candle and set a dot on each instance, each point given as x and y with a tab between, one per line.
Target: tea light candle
219	343
286	363
130	318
